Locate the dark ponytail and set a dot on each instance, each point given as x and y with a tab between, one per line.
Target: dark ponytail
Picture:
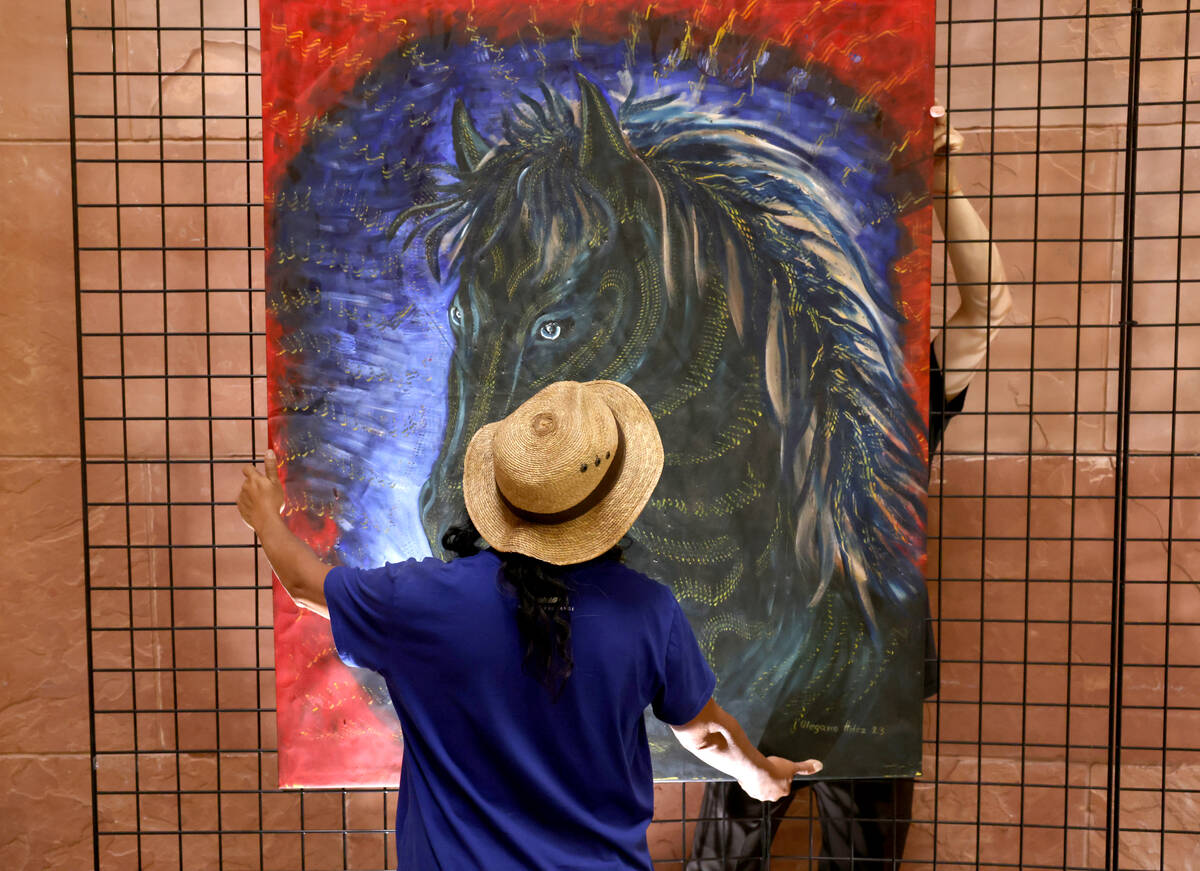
543	617
543	606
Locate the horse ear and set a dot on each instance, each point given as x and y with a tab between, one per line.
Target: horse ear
469	146
602	143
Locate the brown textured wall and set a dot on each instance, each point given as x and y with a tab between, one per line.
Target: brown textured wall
1026	555
45	779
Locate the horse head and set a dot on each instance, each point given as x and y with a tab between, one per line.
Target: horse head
558	268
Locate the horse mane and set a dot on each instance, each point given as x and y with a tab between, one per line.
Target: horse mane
532	179
748	202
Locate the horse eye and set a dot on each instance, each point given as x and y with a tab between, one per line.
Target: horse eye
456	315
550	330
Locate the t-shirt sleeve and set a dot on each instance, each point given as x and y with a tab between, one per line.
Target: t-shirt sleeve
687	679
361	608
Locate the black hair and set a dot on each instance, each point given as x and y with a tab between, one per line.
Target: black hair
543	605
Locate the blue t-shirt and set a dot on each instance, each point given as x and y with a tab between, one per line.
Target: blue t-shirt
497	776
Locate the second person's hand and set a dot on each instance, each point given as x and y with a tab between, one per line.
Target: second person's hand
946	141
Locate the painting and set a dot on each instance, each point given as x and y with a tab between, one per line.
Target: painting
721	204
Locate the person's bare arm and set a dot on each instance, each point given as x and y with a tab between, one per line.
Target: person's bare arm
986	301
718	739
301	571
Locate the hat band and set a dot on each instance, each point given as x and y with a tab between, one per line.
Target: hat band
589	502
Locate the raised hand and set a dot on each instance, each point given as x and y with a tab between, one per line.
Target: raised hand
946	141
261	497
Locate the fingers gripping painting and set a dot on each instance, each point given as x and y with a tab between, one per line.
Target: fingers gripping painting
721	205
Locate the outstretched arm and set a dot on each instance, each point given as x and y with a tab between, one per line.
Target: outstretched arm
986	301
717	739
301	571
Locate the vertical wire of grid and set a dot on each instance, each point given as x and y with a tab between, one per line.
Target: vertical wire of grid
1117	673
1175	831
1081	232
1056	727
980	568
1027	572
938	292
257	409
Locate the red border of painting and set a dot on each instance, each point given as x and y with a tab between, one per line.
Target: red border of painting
313	51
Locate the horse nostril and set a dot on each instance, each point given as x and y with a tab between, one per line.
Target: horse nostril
429	522
424	498
439	506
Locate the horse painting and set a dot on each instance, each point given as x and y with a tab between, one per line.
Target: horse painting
698	261
727	252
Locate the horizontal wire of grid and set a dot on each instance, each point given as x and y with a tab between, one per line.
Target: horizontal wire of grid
1086	412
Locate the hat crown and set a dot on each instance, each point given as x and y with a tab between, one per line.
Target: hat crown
555	449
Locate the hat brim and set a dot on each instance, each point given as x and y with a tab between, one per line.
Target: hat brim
593	532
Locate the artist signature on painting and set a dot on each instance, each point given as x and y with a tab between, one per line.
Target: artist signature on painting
847	728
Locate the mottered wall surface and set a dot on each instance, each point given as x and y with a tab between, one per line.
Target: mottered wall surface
1065	528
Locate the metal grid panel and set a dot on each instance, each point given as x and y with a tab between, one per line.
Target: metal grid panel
1084	511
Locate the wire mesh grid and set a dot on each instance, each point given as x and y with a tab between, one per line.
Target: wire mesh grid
1064	518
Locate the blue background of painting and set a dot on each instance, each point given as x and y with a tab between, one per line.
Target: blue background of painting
364	323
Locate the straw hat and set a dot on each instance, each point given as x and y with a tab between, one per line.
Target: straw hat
564	476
